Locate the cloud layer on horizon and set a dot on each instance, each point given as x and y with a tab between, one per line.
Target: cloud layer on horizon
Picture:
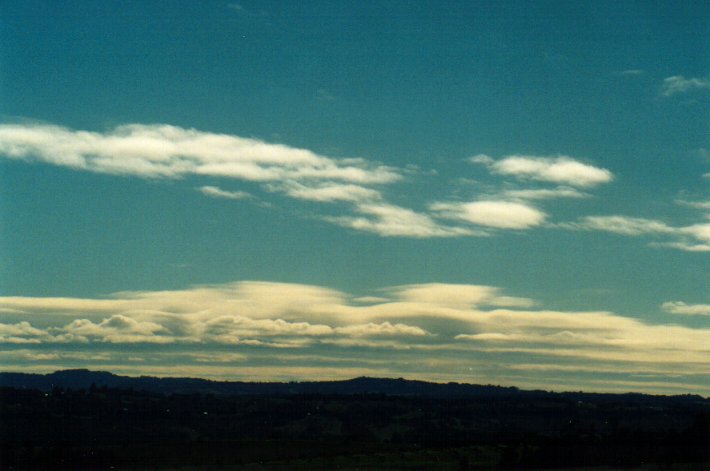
430	329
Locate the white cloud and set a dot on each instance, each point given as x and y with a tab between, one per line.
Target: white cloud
594	335
703	205
544	193
482	159
393	221
698	231
631	72
497	214
686	246
325	95
327	192
217	192
371	299
21	332
561	170
432	329
455	296
118	328
694	238
444	294
382	329
21	303
679	307
679	84
626	225
164	151
234	327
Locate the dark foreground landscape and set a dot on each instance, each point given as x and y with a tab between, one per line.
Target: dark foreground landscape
94	420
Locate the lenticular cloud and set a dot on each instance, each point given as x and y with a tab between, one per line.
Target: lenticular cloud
164	151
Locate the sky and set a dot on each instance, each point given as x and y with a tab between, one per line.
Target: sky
512	193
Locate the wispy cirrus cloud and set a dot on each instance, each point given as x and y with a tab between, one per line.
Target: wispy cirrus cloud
678	84
692	238
625	225
560	169
679	307
394	221
216	192
704	205
631	72
327	192
544	193
430	329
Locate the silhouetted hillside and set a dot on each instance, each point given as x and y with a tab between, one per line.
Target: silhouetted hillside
80	379
80	419
83	379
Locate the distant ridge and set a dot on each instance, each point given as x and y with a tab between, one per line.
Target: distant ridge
84	379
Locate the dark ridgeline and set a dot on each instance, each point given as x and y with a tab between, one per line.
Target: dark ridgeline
79	419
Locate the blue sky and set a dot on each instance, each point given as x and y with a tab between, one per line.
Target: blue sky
501	192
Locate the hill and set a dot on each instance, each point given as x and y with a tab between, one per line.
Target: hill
79	419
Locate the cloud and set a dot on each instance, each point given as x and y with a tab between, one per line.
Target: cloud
693	238
217	192
496	214
434	330
601	336
626	225
324	95
58	305
382	329
232	328
21	332
704	205
327	192
679	84
118	328
631	72
443	294
544	193
393	221
561	170
161	151
679	307
455	295
164	151
242	11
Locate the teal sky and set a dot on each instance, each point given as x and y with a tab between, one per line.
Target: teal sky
514	193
